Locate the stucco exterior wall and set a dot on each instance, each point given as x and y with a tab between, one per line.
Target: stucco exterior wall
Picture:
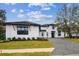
11	31
34	31
49	29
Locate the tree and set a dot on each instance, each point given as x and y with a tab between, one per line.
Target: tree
67	18
2	21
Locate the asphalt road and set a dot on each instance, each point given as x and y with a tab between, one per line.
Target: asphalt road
64	47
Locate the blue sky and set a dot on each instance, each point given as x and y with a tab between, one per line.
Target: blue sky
36	12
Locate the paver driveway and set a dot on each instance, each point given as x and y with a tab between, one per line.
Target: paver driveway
64	47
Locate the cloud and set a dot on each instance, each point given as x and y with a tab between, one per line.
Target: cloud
13	3
13	10
69	4
44	6
38	16
34	4
21	10
47	6
9	3
20	15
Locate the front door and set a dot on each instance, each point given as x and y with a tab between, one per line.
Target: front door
52	34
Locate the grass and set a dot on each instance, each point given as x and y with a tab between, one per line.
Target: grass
25	44
26	54
76	40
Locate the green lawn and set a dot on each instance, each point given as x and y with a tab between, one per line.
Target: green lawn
76	40
25	44
26	54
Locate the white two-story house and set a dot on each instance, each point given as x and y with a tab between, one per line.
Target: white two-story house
25	29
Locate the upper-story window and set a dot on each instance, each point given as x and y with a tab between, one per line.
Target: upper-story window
59	33
53	27
22	30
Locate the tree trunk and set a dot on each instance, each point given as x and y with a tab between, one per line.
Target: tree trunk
64	34
76	35
70	35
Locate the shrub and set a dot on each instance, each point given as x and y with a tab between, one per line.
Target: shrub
42	39
33	38
2	36
28	38
23	39
1	41
9	39
45	39
13	39
38	38
18	39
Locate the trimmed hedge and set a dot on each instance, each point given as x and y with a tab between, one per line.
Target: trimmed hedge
24	39
33	38
42	39
28	38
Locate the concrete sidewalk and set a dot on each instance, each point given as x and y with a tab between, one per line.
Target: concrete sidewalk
31	50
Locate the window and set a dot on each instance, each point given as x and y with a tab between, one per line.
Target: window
47	34
59	33
22	30
42	34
